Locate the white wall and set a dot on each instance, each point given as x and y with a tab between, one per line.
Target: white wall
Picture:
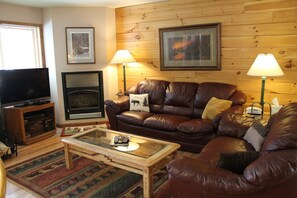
55	21
50	57
20	13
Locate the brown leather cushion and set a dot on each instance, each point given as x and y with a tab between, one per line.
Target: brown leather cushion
227	144
179	98
165	121
134	117
155	89
180	94
196	126
208	90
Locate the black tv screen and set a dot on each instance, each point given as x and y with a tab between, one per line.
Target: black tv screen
24	86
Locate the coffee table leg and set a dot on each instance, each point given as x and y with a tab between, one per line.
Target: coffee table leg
147	183
68	157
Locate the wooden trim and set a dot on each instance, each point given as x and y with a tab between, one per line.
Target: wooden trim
40	26
20	23
2	179
82	124
42	46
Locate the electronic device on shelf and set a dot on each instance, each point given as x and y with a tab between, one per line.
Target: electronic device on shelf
24	87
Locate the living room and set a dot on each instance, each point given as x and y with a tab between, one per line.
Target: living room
247	28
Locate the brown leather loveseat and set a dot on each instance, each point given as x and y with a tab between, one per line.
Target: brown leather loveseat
272	174
175	111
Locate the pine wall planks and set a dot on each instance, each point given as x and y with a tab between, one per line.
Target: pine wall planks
248	27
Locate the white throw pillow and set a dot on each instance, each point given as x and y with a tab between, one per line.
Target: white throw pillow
139	102
255	135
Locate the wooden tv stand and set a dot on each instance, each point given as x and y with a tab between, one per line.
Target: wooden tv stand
30	124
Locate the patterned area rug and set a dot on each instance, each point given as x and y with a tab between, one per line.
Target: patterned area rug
47	176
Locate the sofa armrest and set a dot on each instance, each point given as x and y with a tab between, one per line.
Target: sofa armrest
203	176
234	125
119	105
272	168
115	107
237	109
238	99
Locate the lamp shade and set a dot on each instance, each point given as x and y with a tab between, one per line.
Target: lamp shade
122	56
265	65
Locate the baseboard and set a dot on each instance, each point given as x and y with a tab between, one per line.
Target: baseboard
82	124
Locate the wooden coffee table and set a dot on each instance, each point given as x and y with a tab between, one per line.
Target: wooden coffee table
150	156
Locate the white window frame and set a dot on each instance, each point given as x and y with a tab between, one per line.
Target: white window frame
37	33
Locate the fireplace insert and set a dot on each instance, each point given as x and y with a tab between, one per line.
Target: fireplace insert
83	95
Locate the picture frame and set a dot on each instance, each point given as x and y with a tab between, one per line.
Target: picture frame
80	45
195	47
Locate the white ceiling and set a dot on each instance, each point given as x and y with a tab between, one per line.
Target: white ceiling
78	3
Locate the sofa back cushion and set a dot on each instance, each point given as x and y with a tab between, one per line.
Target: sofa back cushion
156	90
208	90
179	98
282	130
185	98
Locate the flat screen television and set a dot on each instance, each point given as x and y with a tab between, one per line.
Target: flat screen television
24	86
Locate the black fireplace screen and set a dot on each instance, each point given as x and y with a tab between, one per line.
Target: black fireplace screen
83	95
83	99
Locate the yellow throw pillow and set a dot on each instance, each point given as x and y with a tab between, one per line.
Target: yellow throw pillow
214	107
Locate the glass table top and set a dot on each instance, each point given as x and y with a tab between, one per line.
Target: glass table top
143	147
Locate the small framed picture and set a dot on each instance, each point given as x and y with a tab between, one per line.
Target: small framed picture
195	47
80	43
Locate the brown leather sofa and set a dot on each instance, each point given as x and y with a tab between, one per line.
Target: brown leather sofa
175	111
273	174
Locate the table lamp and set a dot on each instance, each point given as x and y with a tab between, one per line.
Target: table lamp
265	65
123	57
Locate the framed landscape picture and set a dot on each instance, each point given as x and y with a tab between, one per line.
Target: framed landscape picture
80	45
194	47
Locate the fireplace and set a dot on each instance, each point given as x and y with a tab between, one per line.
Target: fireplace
83	94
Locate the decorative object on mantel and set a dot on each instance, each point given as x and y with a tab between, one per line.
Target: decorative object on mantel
265	65
194	47
47	176
80	45
123	57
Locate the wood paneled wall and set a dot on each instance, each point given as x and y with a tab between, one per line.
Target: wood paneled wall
248	27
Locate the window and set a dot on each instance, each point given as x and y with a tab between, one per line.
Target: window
20	46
